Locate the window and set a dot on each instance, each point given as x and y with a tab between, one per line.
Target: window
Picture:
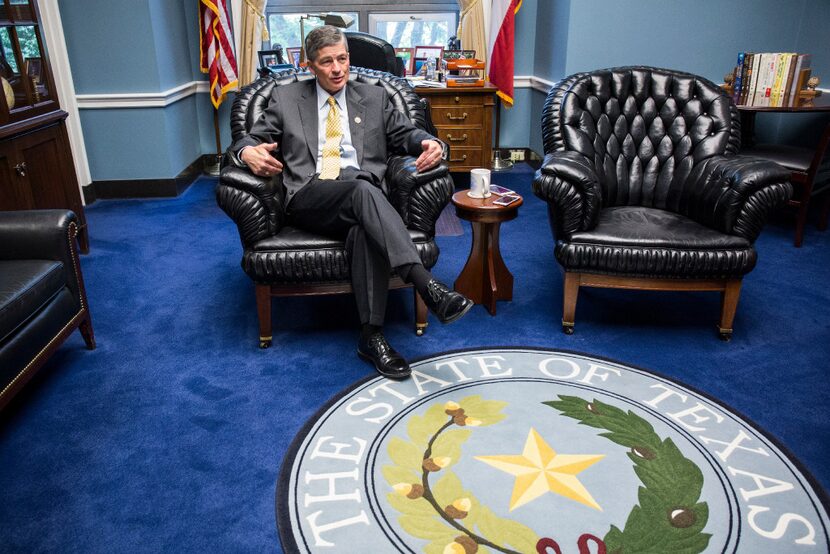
408	30
284	28
403	24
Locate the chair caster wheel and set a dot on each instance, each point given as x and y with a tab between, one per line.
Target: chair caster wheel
419	331
265	343
568	329
725	337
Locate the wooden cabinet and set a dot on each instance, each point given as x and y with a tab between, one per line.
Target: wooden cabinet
36	166
464	119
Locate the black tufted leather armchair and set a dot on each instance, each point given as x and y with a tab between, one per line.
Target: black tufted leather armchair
285	261
644	187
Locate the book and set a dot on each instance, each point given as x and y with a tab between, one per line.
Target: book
769	79
737	83
753	83
788	80
747	77
763	69
776	82
803	62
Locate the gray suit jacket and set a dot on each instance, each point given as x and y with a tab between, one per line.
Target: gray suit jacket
290	120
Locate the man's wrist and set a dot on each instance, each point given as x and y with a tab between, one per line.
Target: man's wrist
239	155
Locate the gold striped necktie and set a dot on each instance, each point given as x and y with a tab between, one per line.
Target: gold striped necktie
331	148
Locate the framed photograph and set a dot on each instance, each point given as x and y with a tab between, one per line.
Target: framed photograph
293	56
269	58
33	67
419	66
406	54
459	54
429	52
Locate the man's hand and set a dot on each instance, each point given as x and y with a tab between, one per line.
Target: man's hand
260	161
431	155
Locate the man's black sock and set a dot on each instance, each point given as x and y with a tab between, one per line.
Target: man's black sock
367	330
416	274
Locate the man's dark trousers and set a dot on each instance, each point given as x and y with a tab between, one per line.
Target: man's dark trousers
356	210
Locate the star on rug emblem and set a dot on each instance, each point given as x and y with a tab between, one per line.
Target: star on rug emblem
539	469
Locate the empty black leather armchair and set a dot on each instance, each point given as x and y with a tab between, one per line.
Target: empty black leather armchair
42	296
644	187
371	52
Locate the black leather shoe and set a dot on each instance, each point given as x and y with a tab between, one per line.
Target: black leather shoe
386	359
446	304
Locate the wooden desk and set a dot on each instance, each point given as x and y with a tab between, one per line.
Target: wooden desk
485	278
464	119
799	105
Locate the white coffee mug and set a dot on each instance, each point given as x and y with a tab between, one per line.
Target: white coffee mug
479	183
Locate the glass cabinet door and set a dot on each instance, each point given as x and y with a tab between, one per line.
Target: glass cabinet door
24	69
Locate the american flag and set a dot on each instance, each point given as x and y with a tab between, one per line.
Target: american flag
217	57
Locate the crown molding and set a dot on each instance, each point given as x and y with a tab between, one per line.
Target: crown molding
141	99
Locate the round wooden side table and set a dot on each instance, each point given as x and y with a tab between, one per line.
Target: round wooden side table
485	279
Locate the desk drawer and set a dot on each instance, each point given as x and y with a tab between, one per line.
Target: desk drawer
452	115
460	99
462	136
466	158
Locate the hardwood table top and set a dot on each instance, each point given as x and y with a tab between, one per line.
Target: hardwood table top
483	205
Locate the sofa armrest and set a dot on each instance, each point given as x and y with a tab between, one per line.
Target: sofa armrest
43	235
736	194
418	197
569	184
256	204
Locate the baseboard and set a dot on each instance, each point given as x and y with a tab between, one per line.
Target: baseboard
146	188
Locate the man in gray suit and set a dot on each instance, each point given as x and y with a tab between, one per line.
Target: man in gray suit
329	138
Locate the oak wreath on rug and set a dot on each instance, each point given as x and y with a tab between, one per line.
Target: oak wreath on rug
529	450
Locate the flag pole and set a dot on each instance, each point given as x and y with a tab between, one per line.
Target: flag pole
499	163
213	168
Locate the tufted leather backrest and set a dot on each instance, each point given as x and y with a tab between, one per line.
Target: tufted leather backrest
372	52
643	128
252	100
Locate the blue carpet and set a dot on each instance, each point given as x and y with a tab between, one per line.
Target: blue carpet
169	436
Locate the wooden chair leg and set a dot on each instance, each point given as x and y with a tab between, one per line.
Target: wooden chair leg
800	222
825	211
729	304
263	310
420	314
571	290
87	333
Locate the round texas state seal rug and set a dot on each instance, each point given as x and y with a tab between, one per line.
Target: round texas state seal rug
525	450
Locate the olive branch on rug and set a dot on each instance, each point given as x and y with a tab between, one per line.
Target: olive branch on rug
443	512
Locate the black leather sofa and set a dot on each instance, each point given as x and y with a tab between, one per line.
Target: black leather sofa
285	261
42	296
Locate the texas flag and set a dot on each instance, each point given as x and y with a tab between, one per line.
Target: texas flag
500	47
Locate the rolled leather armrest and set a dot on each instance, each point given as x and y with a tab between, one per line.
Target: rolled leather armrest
736	194
569	184
42	235
37	234
418	197
256	204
